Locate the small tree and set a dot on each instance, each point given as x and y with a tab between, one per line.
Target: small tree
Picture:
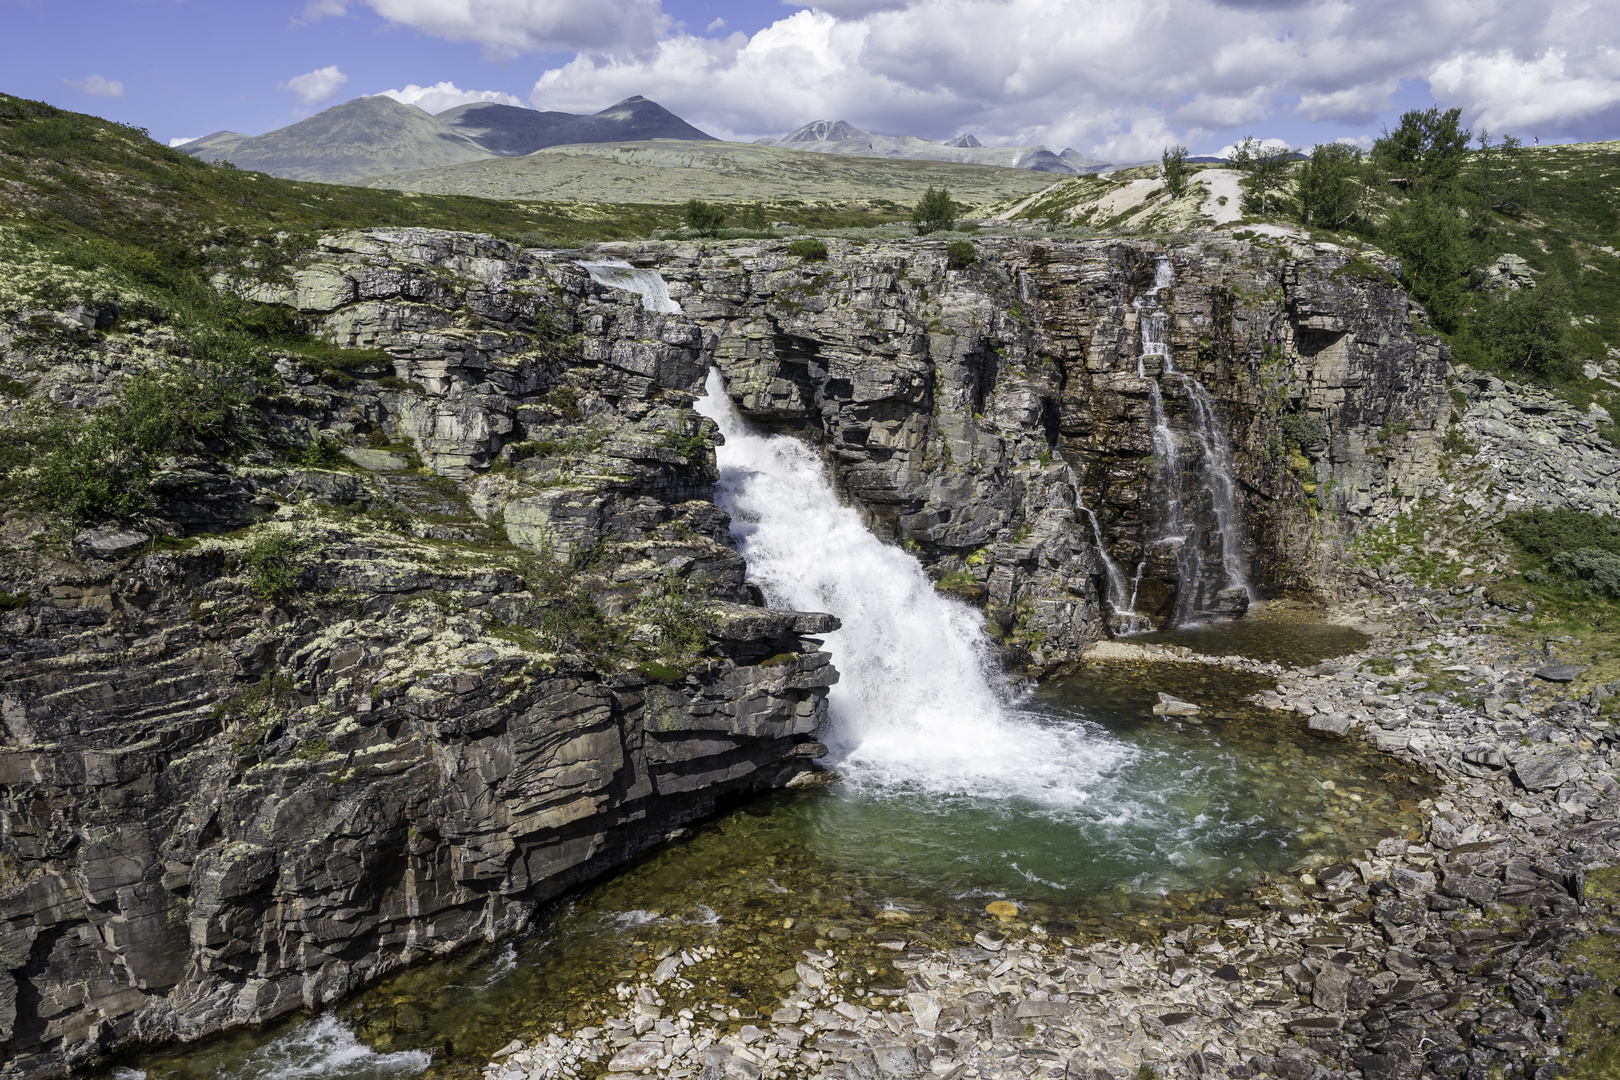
934	212
752	216
1173	167
1330	188
1426	150
1503	173
1267	168
704	218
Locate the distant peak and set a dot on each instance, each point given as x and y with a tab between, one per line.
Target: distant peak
966	142
826	131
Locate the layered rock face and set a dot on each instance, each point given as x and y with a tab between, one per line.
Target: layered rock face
337	703
977	413
334	721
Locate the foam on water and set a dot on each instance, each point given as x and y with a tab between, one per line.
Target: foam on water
918	705
326	1049
648	284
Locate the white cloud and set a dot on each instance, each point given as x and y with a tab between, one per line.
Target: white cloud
182	141
1108	78
1547	92
96	86
1351	105
316	86
446	95
320	9
509	28
717	24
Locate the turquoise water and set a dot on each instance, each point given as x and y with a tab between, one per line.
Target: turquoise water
1177	816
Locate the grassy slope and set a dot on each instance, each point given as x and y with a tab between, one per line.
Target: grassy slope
672	172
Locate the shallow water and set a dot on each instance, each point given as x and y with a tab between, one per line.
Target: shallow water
1178	816
1280	634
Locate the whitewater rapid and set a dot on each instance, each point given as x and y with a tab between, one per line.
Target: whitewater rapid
920	705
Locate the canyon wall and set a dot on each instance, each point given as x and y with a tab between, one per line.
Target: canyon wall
450	627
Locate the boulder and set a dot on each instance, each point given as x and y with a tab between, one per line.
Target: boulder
1545	772
1329	725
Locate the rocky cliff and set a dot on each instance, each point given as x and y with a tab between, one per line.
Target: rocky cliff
452	622
976	413
304	723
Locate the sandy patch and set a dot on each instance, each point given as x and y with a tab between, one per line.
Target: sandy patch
1222	183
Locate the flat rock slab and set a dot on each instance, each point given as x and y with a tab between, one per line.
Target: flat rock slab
1547	771
1561	672
375	460
1329	725
110	543
637	1056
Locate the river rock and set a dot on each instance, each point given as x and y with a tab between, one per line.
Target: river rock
1333	725
1171	706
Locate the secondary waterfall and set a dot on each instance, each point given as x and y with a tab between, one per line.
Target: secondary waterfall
919	704
648	284
1204	583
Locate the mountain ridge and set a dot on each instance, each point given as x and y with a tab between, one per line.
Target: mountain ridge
378	135
842	137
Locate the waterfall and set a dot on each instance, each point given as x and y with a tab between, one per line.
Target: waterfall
919	704
1178	523
1124	621
1223	489
648	284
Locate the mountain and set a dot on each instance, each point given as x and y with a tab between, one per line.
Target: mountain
365	137
665	171
510	131
842	137
215	147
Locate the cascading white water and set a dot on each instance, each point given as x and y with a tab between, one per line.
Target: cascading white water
1178	523
1218	455
918	705
648	284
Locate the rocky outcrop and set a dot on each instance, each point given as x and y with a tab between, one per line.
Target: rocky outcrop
456	624
314	717
972	412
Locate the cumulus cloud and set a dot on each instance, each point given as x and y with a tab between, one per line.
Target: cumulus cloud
509	28
316	86
1551	91
183	140
446	95
1107	78
96	86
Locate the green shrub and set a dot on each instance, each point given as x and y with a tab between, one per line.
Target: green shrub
272	556
934	212
12	601
808	249
1597	568
960	254
1173	168
1549	532
100	463
1303	430
703	218
312	749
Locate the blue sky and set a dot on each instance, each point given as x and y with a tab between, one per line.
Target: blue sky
1117	80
